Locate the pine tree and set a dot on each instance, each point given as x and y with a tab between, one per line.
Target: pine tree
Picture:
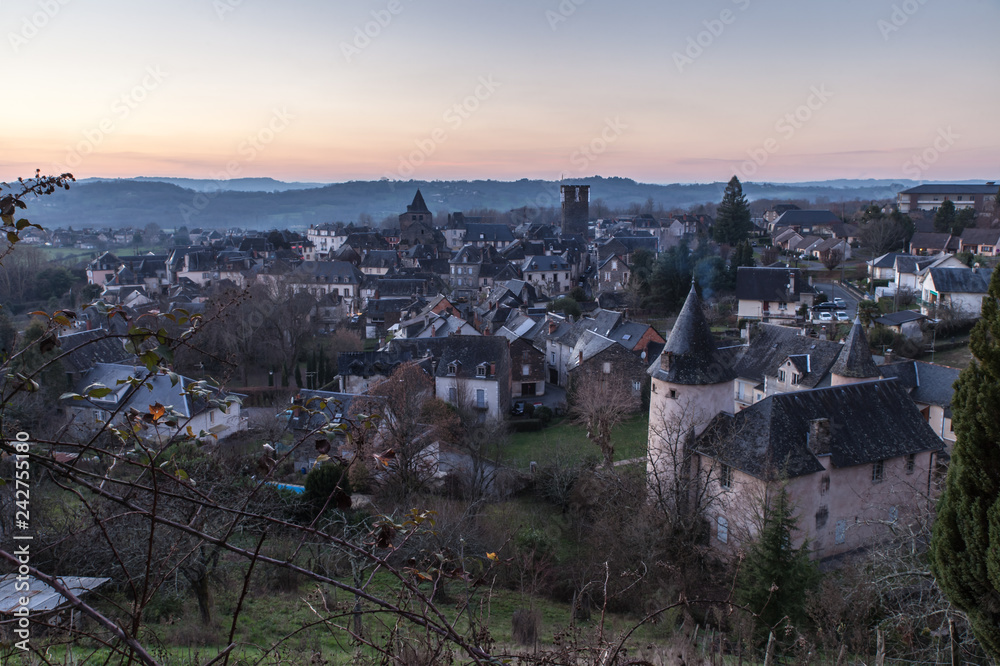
965	546
944	218
775	577
732	220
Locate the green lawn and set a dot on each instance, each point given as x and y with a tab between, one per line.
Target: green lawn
954	358
565	442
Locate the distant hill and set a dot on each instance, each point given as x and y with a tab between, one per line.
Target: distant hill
260	203
206	185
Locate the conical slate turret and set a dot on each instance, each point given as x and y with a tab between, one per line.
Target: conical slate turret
855	359
690	355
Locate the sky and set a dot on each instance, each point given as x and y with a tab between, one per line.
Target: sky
656	90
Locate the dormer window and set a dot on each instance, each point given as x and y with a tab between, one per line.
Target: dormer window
453	368
781	376
482	369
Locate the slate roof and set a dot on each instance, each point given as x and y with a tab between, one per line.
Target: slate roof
418	205
469	351
901	317
981	237
544	263
855	359
380	259
961	280
587	347
771	345
628	334
690	355
806	218
769	284
869	421
84	349
321	408
367	363
488	233
929	240
156	389
929	383
946	188
888	260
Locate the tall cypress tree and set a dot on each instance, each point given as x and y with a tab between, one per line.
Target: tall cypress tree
775	577
965	546
732	219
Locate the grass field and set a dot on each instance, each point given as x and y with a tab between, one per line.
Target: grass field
296	619
566	442
954	358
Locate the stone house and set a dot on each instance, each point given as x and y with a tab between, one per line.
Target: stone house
854	455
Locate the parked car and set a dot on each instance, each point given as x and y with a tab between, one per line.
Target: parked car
826	316
517	409
826	305
839	302
842	316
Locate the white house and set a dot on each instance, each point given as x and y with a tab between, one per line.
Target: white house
190	403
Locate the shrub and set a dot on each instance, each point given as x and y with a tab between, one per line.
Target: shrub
543	414
328	481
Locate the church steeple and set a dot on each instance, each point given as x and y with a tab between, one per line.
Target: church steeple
690	355
418	205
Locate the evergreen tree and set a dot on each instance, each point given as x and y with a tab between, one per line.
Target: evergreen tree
732	220
742	256
944	218
775	577
671	278
965	546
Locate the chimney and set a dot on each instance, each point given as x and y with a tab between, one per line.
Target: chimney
666	358
579	356
552	327
791	282
889	357
818	441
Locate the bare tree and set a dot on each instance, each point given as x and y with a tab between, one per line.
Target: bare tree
833	258
601	401
880	235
